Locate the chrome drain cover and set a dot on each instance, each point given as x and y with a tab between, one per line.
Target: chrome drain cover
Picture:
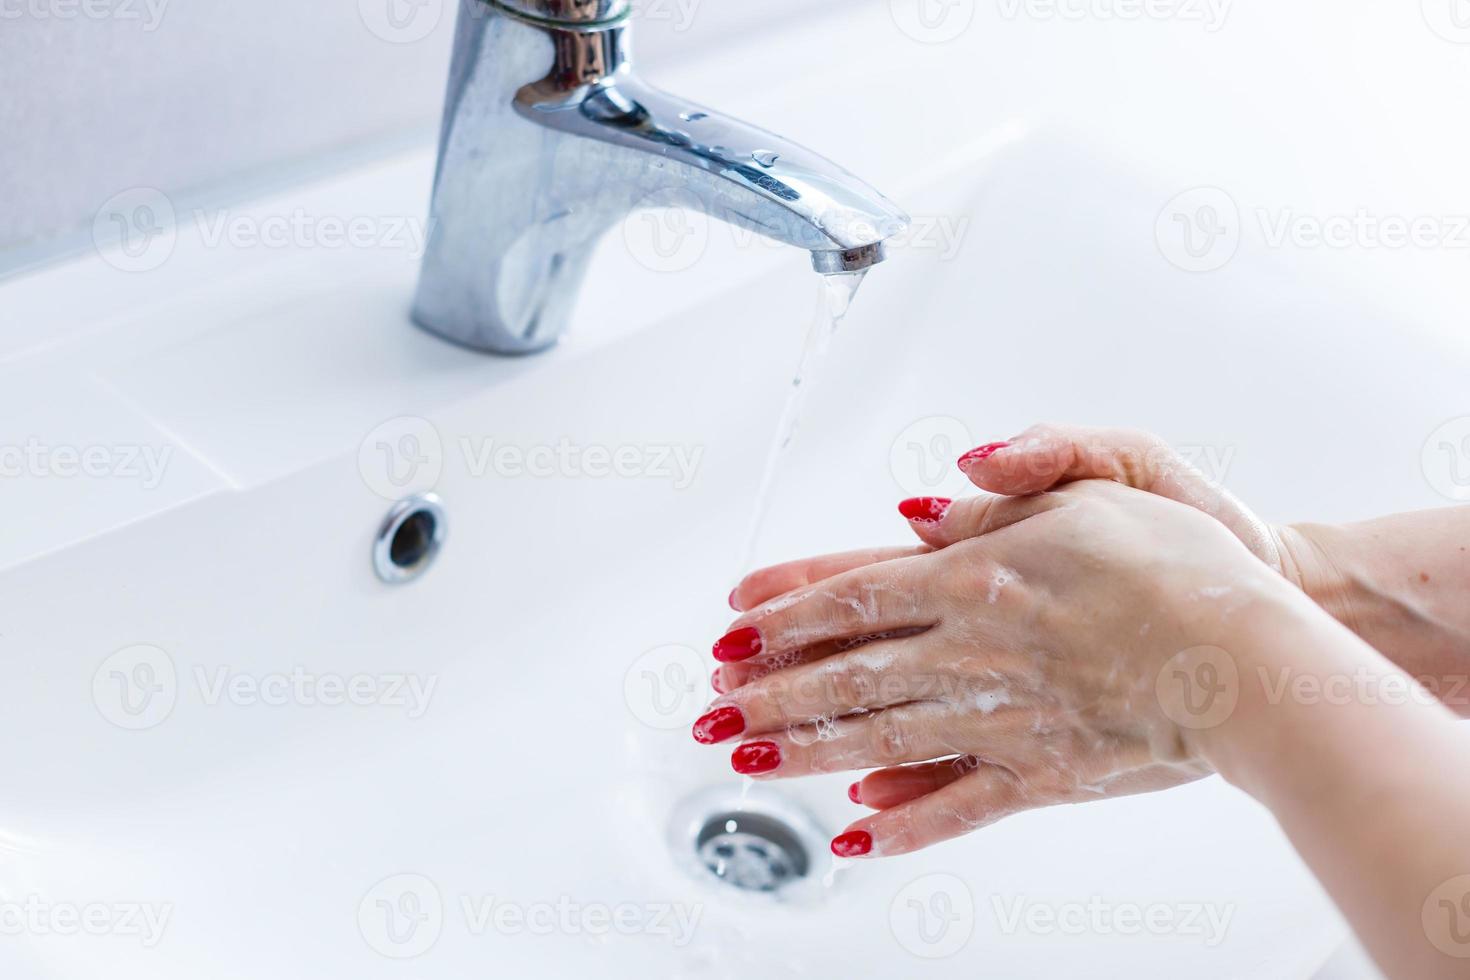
755	842
751	851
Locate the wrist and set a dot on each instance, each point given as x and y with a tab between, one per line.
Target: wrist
1311	560
1277	641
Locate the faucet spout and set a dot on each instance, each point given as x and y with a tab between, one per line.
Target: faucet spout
549	139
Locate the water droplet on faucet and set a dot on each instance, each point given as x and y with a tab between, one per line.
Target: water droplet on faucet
766	158
693	116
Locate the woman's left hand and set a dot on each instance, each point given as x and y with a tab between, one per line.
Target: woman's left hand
1015	668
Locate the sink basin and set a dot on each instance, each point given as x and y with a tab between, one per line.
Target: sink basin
517	738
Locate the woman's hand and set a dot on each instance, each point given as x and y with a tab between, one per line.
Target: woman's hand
1045	457
1397	582
1018	666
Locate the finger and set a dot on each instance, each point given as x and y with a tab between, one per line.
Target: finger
880	598
732	676
765	584
949	521
831	687
884	788
978	798
914	732
1046	456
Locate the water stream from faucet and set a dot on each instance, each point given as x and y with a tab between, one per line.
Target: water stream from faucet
834	300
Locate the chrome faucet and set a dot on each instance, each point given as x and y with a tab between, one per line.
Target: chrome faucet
549	139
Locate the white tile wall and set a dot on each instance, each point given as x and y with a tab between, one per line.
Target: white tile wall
198	97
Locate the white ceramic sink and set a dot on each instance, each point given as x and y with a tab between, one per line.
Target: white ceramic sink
543	769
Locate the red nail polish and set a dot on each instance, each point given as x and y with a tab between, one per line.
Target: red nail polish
925	510
854	843
718	725
718	684
754	758
741	644
731	600
982	453
855	792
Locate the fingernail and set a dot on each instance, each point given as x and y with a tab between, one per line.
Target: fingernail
925	510
981	453
854	843
741	644
731	600
718	725
718	684
754	758
855	792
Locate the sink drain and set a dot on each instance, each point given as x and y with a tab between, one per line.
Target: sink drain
409	539
758	843
751	851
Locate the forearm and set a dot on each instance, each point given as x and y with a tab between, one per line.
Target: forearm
1401	583
1366	785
